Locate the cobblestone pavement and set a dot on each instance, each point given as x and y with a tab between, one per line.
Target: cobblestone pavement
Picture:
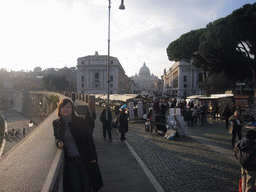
195	162
16	121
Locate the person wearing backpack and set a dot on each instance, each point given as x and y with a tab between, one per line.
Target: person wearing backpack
245	151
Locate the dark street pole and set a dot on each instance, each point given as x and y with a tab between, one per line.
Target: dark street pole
108	59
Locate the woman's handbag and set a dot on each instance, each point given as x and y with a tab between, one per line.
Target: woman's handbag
231	128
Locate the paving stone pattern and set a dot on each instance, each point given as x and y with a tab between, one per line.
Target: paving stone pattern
187	164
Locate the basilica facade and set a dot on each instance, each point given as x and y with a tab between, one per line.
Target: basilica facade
144	82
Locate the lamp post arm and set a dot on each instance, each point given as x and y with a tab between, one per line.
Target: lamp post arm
108	65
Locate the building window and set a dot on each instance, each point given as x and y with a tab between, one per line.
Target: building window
111	78
96	85
185	85
200	77
96	76
185	79
175	82
82	78
111	85
111	62
185	92
82	85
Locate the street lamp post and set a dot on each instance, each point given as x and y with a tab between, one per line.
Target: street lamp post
108	60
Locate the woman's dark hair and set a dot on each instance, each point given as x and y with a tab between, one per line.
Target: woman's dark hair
251	135
64	102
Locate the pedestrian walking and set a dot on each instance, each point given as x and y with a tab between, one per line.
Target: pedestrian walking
81	171
204	109
188	116
152	118
106	119
237	124
233	108
194	116
215	110
199	113
239	110
226	115
123	124
245	152
90	118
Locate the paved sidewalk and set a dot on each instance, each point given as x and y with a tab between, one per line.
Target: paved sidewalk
202	161
120	169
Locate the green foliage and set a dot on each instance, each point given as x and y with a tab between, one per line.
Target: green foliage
218	83
54	99
55	83
185	46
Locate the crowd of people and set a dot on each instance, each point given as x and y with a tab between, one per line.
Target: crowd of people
75	136
194	114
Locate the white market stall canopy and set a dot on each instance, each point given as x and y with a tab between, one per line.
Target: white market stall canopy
116	97
213	96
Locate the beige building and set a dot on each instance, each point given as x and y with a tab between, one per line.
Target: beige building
92	75
182	79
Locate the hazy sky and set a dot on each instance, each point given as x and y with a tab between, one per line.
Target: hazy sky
54	33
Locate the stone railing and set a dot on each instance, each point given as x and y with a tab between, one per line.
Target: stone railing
35	163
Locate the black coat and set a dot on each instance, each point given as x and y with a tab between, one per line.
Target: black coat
123	123
103	117
227	112
85	146
81	135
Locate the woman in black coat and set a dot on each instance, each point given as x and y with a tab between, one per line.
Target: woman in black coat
81	171
123	124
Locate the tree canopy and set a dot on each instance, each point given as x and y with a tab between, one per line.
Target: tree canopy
226	45
185	46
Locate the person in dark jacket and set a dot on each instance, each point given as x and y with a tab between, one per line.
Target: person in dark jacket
106	119
237	123
215	110
123	124
248	169
227	114
72	134
188	115
90	118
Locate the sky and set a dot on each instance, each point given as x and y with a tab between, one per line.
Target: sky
55	33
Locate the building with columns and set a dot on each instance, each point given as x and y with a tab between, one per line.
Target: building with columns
182	79
144	81
92	75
